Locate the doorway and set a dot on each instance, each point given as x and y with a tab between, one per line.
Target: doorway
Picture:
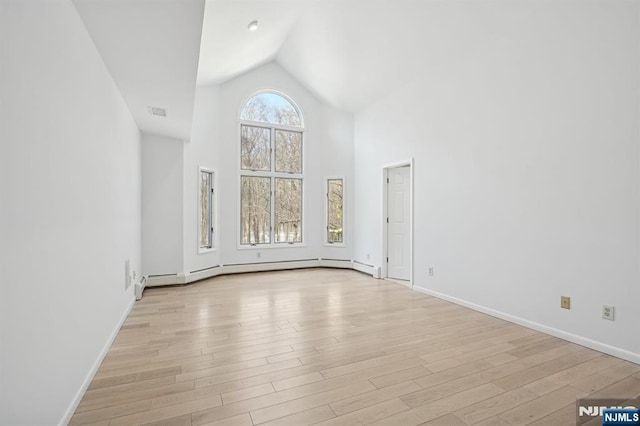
398	223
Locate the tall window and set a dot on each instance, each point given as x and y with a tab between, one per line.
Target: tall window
335	211
205	209
271	174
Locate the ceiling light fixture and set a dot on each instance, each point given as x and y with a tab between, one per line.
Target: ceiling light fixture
253	25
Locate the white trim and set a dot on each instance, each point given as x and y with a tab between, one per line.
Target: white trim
384	244
580	340
94	368
325	234
272	126
139	287
202	274
367	269
335	263
271	173
182	278
214	212
160	280
275	92
269	246
268	266
272	176
404	283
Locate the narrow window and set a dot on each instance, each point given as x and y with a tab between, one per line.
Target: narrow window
205	210
335	211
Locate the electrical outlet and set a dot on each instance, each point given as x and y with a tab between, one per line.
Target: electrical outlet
430	270
368	256
608	312
565	302
259	255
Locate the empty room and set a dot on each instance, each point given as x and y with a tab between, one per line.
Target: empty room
319	212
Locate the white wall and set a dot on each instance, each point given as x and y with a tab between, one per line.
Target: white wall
4	185
162	201
70	209
526	165
201	151
328	150
318	154
336	159
170	179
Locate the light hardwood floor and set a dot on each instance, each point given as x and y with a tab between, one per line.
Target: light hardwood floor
335	347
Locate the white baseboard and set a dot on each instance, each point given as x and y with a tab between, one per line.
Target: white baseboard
367	269
574	338
189	277
160	280
335	263
268	266
202	274
94	368
139	287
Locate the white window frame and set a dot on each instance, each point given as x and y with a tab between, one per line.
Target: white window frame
325	237
212	209
272	174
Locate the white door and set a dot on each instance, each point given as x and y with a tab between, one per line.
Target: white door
398	228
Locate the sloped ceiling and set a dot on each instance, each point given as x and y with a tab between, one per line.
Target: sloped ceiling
230	49
347	52
151	49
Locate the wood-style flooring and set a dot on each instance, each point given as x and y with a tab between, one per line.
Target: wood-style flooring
335	347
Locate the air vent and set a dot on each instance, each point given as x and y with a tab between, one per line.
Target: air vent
160	112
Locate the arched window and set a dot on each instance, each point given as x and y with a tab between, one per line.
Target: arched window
269	107
271	170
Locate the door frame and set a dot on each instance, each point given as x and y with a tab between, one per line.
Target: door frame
385	202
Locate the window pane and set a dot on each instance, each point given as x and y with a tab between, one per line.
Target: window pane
288	210
271	108
335	218
255	210
205	210
288	152
256	148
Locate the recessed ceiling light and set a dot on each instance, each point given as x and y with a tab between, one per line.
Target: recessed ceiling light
253	25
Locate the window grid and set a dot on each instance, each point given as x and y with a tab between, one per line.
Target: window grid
282	222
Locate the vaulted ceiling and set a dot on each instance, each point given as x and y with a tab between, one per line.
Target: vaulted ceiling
151	49
349	53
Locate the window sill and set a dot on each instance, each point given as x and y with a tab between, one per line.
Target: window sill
339	245
271	246
207	250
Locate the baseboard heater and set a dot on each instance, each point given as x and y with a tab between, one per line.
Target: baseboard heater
139	287
183	278
366	268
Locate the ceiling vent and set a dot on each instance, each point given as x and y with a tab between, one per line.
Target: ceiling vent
160	112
